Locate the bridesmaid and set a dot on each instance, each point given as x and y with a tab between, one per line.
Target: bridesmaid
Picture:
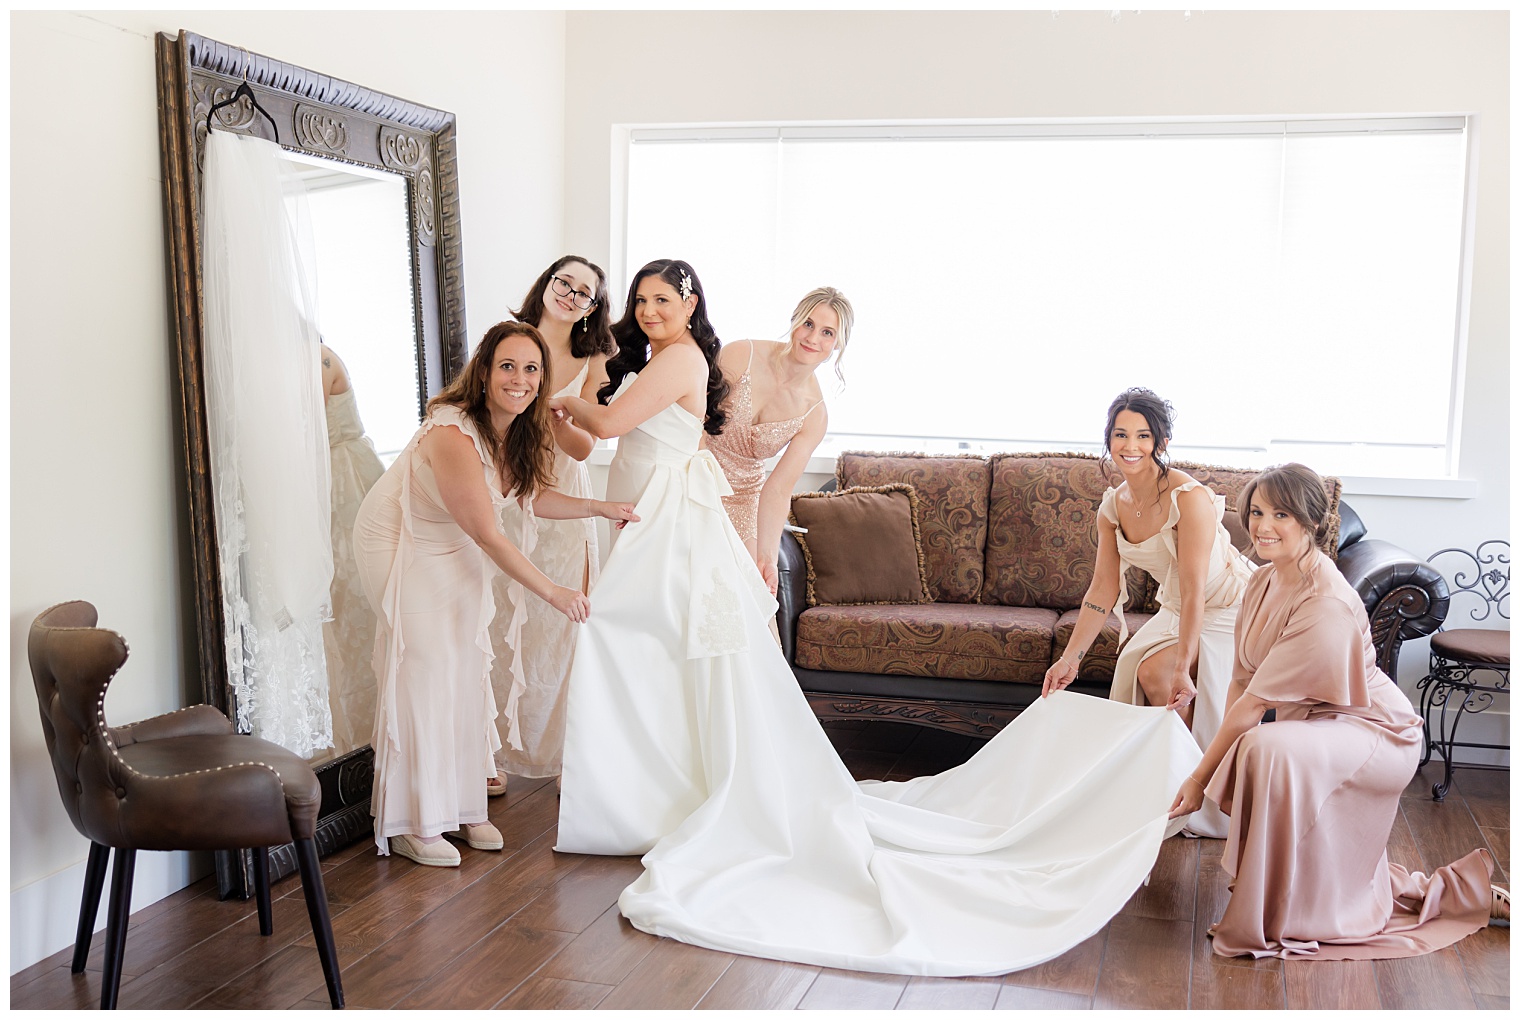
1170	525
1312	797
428	539
776	403
533	643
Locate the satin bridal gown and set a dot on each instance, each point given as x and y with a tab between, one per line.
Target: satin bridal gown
688	741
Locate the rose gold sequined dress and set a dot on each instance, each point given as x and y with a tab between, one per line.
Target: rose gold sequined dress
743	447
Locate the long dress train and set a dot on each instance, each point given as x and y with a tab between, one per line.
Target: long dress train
532	701
1224	581
689	742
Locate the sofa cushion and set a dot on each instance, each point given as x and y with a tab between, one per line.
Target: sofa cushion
1103	655
861	545
1042	536
952	502
937	639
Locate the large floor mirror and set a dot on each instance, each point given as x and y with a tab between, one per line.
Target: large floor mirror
380	236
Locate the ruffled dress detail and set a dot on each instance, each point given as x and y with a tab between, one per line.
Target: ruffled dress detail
1225	581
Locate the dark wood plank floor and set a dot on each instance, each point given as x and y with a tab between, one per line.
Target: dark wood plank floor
529	928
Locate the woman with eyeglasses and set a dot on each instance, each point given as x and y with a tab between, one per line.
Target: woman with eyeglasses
532	642
776	404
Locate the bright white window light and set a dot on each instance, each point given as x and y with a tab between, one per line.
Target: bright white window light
1276	281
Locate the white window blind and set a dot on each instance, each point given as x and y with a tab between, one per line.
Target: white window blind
1292	288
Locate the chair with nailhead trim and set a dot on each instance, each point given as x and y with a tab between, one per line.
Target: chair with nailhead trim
181	781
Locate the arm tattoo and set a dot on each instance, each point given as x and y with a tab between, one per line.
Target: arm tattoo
1094	607
1078	656
326	361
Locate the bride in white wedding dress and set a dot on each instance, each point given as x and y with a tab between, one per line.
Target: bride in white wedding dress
689	742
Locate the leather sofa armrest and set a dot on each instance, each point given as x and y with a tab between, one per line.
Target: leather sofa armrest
195	720
791	592
1405	597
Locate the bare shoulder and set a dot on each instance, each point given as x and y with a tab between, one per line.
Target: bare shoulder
445	438
733	357
1199	495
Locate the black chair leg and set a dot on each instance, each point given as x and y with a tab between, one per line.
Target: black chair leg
261	889
116	925
321	922
94	882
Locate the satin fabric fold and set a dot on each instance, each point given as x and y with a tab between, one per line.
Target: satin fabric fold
756	839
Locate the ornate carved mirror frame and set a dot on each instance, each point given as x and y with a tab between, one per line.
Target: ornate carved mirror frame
335	120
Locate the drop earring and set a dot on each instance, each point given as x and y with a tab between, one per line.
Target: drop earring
586	324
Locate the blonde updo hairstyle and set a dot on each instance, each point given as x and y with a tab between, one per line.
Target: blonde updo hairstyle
841	307
1300	492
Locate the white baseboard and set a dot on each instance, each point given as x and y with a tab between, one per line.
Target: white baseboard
45	913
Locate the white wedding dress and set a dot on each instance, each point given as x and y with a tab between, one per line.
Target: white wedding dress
688	741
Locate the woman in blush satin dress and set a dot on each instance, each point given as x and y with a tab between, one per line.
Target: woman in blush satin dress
775	404
1172	526
1313	796
428	540
688	741
568	304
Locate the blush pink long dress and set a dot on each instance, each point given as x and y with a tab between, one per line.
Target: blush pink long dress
1312	797
742	449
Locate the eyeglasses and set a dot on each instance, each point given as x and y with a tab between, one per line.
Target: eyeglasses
564	288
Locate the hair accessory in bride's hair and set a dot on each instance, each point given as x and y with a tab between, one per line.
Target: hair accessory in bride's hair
685	285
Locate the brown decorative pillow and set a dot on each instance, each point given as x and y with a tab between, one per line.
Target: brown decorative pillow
862	546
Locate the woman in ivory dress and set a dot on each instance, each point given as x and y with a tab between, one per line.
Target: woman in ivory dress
568	304
688	741
1312	796
350	635
428	540
1169	524
774	403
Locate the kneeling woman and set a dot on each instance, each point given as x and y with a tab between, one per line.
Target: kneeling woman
426	538
1171	525
1312	797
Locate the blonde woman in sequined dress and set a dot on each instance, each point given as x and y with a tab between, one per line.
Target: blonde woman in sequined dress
776	404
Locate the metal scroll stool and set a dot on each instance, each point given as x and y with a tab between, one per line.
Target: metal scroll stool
1469	666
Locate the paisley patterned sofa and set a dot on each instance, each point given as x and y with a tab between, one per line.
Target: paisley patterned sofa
1008	544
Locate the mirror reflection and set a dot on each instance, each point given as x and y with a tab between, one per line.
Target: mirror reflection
354	240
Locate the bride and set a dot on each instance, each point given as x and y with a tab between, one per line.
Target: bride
688	741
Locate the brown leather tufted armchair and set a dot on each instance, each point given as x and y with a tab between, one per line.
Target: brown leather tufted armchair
181	781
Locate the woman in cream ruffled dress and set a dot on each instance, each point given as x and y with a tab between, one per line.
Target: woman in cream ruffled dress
1170	525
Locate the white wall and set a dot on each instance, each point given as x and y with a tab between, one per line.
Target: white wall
95	498
725	67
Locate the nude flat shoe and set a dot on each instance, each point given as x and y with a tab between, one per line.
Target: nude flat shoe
1498	908
434	855
479	836
497	787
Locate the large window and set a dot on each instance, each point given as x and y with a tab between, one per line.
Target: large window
1294	288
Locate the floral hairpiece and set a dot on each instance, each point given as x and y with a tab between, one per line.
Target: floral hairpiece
685	285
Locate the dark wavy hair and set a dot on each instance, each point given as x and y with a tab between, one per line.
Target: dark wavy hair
595	337
1301	492
633	346
1158	416
524	457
